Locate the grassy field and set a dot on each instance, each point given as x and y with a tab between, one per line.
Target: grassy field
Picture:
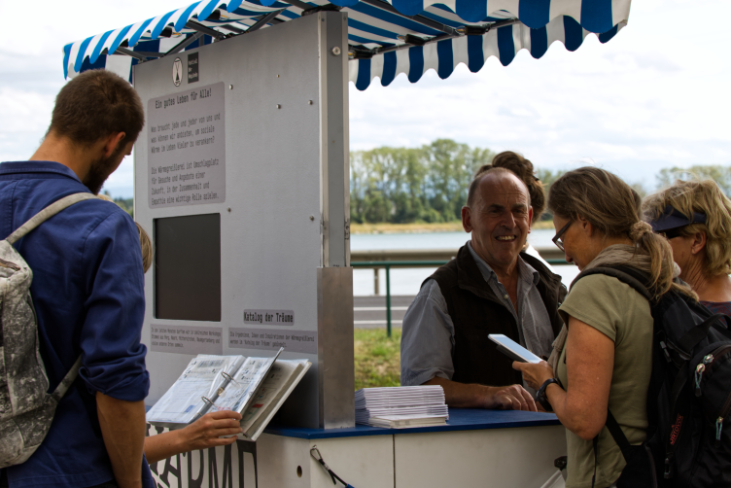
422	228
377	358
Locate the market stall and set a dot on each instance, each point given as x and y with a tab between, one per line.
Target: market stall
242	177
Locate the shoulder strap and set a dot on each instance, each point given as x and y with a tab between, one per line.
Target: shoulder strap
617	433
691	338
62	387
625	274
46	214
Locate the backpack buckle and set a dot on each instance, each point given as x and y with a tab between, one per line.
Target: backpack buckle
665	351
668	468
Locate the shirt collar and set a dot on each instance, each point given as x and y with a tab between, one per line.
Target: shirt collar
17	167
526	272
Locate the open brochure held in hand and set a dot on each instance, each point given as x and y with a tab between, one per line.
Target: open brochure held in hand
253	387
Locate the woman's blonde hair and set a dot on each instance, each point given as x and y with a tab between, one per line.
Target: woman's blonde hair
703	197
613	208
146	248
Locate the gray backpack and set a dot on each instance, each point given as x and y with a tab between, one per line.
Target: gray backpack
26	409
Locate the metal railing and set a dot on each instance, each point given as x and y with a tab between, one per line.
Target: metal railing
427	258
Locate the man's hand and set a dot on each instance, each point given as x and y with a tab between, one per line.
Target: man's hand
201	434
123	429
513	397
461	395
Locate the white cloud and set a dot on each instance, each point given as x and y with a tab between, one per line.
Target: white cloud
653	97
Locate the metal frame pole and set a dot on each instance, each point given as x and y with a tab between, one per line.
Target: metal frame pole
388	300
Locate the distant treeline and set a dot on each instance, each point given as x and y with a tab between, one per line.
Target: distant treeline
429	183
402	185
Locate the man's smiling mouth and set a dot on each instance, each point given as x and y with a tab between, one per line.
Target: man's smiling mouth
506	238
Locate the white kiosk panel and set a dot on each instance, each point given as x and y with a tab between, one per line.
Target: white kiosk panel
241	179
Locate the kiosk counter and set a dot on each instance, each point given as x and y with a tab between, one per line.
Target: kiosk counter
476	448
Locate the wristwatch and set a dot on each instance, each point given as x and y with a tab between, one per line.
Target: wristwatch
541	394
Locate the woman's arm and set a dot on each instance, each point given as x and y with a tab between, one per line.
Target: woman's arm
204	432
589	365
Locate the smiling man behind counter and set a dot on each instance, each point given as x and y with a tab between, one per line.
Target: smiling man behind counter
491	287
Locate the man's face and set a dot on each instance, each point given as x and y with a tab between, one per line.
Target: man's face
499	219
105	166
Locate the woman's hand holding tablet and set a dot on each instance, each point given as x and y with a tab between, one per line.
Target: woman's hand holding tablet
513	350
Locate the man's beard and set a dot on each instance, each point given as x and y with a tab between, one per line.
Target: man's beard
100	171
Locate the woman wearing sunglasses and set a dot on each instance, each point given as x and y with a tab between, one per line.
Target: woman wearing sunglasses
695	218
606	361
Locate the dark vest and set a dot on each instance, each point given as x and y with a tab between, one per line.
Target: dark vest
476	312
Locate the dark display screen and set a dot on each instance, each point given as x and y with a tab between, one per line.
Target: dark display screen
187	269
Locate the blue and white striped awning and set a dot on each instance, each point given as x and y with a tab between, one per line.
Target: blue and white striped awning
386	38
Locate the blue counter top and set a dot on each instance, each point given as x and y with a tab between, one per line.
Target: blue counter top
459	419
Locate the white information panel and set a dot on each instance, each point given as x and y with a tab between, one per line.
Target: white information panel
241	179
187	147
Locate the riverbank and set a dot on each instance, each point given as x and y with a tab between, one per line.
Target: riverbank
422	228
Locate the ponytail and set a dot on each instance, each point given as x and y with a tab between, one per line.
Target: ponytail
613	208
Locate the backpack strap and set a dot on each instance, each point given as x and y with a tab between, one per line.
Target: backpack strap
691	338
626	274
63	387
595	444
618	434
46	214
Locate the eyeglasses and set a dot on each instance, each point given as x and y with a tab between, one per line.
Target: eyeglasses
557	238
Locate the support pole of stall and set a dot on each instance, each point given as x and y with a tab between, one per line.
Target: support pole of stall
388	300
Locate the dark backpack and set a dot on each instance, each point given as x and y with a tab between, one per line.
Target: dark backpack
689	397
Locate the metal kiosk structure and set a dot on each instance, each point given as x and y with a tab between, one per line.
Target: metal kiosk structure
242	177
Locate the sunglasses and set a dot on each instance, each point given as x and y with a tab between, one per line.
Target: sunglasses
672	233
557	238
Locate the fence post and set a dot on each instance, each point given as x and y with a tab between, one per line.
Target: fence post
376	284
388	300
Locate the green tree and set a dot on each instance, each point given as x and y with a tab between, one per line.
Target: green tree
451	167
386	174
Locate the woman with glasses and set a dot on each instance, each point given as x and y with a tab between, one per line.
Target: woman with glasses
695	218
606	361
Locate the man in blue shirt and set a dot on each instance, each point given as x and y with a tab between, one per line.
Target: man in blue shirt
87	289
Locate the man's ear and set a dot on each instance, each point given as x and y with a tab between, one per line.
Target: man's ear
466	219
699	242
530	218
112	142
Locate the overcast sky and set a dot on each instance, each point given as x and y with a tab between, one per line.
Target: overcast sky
655	96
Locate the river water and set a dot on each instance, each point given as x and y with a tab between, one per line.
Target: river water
407	281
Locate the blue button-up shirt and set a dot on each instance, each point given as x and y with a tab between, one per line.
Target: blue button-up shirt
88	294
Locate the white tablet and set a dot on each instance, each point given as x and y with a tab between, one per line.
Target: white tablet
513	350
